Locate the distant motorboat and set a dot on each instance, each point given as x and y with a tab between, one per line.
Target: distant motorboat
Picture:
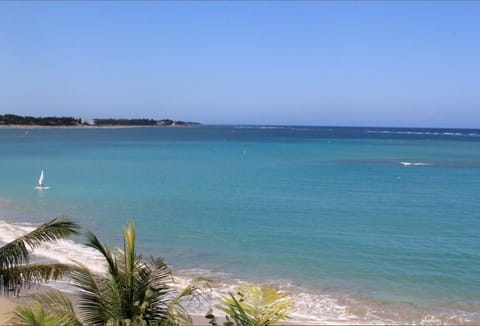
41	182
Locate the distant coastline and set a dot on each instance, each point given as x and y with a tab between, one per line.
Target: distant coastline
16	121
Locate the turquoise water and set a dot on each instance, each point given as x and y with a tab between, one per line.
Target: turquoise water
388	216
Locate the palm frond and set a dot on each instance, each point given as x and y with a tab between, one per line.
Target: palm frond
113	298
132	292
255	305
93	306
176	313
58	305
94	243
16	252
25	275
159	279
141	290
13	254
130	263
34	315
129	236
233	308
161	275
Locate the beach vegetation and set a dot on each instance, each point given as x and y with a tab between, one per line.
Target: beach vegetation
48	309
253	305
16	271
131	292
13	119
16	120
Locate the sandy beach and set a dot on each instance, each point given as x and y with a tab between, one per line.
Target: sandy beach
87	127
7	306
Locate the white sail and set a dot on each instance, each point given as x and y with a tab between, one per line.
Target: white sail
40	181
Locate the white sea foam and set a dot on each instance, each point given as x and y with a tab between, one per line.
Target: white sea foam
316	307
309	309
273	127
415	164
259	127
63	251
312	307
434	133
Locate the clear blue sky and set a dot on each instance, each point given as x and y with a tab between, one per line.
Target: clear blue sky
362	63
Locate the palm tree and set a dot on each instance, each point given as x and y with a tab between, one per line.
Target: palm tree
132	292
254	305
15	269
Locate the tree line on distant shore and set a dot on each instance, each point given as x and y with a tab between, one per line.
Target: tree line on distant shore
13	119
139	122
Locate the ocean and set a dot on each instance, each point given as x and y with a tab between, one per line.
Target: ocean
359	225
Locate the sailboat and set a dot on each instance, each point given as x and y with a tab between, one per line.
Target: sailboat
41	181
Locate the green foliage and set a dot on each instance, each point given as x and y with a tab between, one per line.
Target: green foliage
51	308
12	119
125	122
15	270
34	315
16	252
253	305
176	313
131	293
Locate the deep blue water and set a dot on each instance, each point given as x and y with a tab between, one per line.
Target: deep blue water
332	209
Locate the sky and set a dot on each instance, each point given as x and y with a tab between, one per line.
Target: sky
335	63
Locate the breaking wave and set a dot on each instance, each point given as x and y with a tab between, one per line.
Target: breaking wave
432	133
312	306
415	164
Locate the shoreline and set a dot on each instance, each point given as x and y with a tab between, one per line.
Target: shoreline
9	304
93	127
312	306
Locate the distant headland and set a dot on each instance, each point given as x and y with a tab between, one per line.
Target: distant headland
16	120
